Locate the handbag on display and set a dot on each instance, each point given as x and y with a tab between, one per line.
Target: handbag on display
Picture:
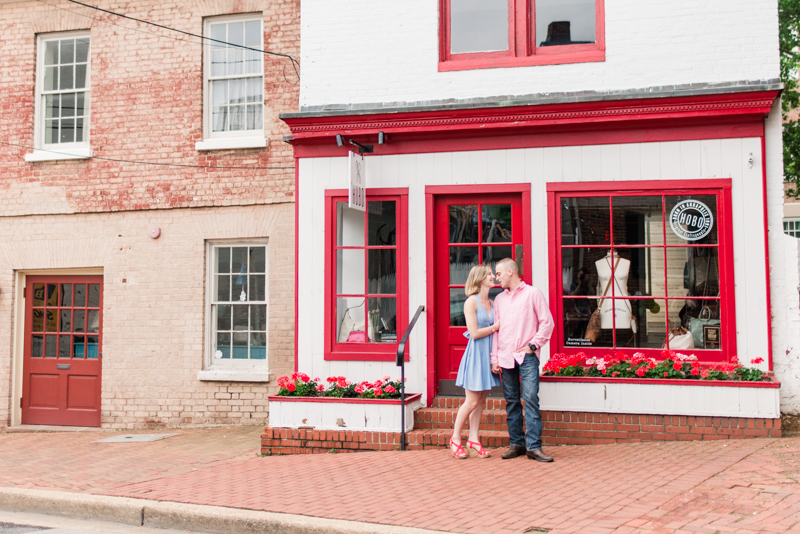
593	328
696	325
680	339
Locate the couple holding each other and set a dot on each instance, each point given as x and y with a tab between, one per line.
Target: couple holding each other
510	349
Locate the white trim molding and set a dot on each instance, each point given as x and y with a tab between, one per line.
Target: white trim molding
251	374
43	154
228	143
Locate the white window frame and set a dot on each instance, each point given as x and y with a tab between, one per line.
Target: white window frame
231	370
228	140
792	221
59	151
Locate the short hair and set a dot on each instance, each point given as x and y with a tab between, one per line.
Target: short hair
510	264
476	277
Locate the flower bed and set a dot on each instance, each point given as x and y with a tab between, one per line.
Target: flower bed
304	402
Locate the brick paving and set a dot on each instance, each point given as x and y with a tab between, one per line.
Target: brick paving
671	487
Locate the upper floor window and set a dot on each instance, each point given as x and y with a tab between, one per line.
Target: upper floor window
792	227
506	33
233	81
62	96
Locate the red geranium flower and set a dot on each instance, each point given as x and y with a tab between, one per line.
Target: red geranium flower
676	366
665	374
378	392
291	386
695	371
320	388
757	361
640	371
390	389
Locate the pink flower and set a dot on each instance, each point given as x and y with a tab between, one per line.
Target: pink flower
390	389
304	377
320	388
378	392
386	378
317	379
378	383
359	389
341	383
704	373
734	360
757	361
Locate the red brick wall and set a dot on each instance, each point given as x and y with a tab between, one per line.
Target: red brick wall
146	104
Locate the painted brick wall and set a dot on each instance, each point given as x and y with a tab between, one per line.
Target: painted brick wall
154	307
388	52
787	362
147	104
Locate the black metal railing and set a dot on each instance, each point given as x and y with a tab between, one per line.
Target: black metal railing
401	363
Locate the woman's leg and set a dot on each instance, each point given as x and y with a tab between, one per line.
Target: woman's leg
470	403
475	417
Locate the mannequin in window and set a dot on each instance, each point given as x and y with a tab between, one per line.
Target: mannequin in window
623	307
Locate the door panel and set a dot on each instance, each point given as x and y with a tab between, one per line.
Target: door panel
63	350
468	230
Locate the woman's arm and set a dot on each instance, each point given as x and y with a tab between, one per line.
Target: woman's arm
471	315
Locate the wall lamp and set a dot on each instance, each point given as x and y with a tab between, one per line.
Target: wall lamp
382	139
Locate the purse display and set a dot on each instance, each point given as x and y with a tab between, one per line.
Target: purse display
696	325
680	339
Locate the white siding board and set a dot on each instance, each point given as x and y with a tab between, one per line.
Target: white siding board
591	163
670	160
553	164
442	169
710	158
650	158
515	165
690	160
305	267
630	161
572	157
611	162
390	171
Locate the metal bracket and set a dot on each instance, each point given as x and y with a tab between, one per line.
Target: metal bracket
362	148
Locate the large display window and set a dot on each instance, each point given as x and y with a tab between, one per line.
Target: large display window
641	267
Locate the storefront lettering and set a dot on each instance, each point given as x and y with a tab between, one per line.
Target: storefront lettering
691	220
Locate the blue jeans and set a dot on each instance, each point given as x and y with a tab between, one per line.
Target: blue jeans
528	372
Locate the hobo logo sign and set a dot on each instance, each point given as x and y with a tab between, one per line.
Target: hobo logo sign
357	196
691	220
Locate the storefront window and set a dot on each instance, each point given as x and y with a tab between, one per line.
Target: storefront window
642	270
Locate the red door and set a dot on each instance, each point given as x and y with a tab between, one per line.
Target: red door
63	350
468	230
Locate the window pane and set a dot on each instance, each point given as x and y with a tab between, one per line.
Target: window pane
350	320
223	346
78	130
382	223
64	346
52	106
65	324
638	221
258	259
350	272
67	131
255	117
51	132
51	53
491	255
223	288
82	50
579	271
38	321
240	317
585	221
496	223
478	25
67	51
258	317
382	265
79	347
50	78
237	118
223	262
462	260
252	60
701	318
693	271
93	326
65	75
257	287
235	61
240	345
255	89
236	33
38	294
218	62
457	298
218	33
463	224
349	226
219	119
79	321
563	23
239	260
66	295
382	327
252	33
219	92
640	271
239	289
224	317
52	295
691	219
51	321
37	344
94	295
92	347
237	89
258	346
50	347
68	105
80	295
80	76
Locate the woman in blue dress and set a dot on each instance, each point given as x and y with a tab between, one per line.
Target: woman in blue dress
475	372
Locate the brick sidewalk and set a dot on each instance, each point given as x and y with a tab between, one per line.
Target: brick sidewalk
731	486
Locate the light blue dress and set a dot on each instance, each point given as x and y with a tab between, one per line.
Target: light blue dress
475	370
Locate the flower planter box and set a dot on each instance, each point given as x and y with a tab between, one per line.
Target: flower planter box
330	413
710	398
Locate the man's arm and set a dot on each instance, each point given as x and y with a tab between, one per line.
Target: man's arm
493	354
546	323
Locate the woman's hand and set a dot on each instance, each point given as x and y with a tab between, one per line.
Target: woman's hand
496	326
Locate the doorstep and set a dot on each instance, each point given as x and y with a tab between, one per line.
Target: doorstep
51	428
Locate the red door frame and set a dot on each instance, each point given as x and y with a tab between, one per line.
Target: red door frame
87	366
431	192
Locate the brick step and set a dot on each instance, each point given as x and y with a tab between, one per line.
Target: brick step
431	418
456	402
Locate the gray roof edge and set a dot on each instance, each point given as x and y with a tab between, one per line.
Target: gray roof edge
663	91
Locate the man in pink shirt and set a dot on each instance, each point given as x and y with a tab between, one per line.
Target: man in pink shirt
525	326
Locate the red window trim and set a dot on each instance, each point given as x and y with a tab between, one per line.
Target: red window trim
371	352
522	50
719	187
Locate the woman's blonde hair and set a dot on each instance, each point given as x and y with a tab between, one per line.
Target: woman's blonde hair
476	276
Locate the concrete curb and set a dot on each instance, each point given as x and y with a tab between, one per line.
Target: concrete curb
181	516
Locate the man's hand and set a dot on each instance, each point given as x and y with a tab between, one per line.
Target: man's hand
496	369
525	348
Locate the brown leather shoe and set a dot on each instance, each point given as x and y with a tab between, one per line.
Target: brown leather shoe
539	456
513	452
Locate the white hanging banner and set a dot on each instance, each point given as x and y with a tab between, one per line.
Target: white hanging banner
357	197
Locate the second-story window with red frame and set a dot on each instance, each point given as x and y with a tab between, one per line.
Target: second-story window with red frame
653	263
366	293
477	34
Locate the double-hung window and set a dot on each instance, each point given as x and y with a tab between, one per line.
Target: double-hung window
233	83
62	97
237	308
366	289
792	227
477	34
654	262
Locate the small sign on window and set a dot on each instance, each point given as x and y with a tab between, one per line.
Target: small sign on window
357	196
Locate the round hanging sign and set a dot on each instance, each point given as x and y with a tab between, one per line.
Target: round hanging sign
691	220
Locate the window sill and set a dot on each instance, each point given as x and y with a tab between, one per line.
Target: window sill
59	154
363	356
234	375
547	58
228	143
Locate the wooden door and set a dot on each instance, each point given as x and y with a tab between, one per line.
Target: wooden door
63	350
468	230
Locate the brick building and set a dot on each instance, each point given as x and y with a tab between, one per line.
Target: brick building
579	138
146	211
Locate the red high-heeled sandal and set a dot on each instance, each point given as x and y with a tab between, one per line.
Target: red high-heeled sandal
478	448
459	451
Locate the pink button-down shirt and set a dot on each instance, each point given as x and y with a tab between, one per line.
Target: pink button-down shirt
524	318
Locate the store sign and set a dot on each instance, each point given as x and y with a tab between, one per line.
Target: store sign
357	196
691	220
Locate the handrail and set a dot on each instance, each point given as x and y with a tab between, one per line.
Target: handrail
401	363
